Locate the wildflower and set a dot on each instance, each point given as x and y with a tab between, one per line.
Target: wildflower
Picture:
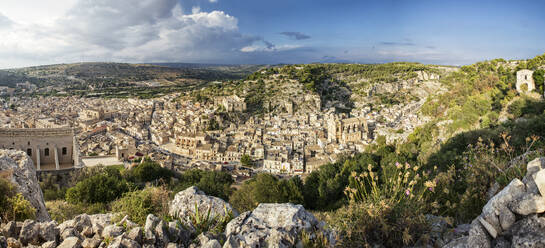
398	165
430	184
407	166
407	192
430	189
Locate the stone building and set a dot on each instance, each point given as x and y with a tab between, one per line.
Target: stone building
525	81
50	149
343	130
232	103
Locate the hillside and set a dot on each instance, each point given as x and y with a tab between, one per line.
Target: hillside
118	79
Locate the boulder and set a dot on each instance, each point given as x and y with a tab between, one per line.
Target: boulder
29	232
71	242
91	243
112	231
135	234
22	173
529	232
3	242
270	223
14	243
184	203
11	230
49	244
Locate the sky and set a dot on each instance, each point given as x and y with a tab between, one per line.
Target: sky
37	32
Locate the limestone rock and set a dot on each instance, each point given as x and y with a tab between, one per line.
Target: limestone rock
22	174
515	190
478	236
183	205
71	242
270	223
14	243
91	243
135	234
10	230
112	231
3	242
529	232
49	244
29	232
528	204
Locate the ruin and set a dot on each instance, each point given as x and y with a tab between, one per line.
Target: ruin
50	148
525	81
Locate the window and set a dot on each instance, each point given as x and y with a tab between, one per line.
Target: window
46	152
525	77
64	150
29	143
29	152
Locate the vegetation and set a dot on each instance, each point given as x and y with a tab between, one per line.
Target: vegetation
13	206
138	204
266	188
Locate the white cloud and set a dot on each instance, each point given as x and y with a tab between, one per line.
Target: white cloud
105	30
213	1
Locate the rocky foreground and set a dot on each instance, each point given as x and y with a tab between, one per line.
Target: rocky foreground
513	217
269	225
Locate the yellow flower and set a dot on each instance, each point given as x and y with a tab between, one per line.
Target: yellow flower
430	184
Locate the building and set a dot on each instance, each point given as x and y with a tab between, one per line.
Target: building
525	81
344	130
232	103
49	148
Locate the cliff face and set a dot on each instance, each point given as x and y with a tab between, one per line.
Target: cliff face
18	168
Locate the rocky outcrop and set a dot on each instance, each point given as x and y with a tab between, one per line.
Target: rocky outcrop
18	168
271	225
511	218
184	203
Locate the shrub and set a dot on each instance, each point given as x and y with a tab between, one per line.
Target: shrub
101	188
387	206
138	204
149	171
13	206
215	183
266	188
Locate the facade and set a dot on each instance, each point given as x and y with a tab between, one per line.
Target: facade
347	130
525	77
232	103
50	149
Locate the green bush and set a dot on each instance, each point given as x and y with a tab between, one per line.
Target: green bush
13	206
148	171
215	183
101	188
266	188
138	204
61	211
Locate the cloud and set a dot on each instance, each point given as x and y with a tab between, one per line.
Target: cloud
296	35
213	1
103	30
5	22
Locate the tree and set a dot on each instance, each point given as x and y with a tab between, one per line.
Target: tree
101	188
149	171
266	188
539	80
246	160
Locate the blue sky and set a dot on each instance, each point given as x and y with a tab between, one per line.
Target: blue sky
257	32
